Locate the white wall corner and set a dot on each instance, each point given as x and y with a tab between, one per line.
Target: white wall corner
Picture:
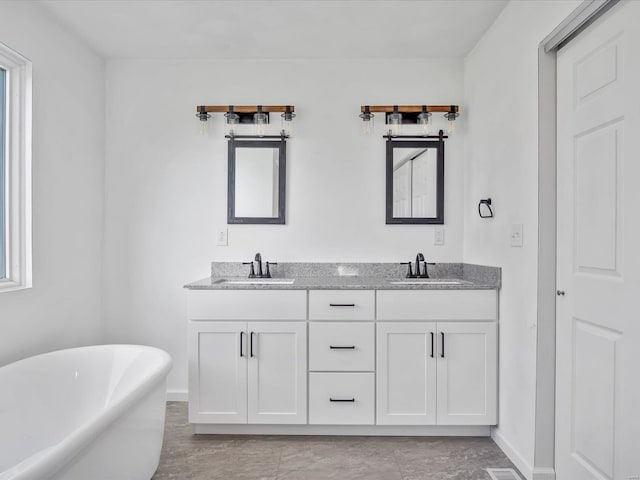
544	474
515	456
177	396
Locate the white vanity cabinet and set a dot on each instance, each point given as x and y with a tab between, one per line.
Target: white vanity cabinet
442	371
401	362
242	371
406	373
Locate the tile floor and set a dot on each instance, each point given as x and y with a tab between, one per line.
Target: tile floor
230	457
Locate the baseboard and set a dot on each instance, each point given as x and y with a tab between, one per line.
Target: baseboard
359	430
544	474
516	457
177	395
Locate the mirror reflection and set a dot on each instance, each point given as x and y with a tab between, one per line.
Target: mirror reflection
415	182
256	187
257	182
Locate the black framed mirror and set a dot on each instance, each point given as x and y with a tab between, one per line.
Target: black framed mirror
256	181
415	181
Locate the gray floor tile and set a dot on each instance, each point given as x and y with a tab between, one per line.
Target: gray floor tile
186	456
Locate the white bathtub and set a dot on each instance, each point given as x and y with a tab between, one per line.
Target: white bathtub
90	413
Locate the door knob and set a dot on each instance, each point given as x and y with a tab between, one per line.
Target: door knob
560	293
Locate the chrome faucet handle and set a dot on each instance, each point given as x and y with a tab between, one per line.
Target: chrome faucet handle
409	271
252	272
268	272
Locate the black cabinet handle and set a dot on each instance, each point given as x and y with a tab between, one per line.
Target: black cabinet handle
442	351
342	304
432	343
342	400
334	347
241	342
251	344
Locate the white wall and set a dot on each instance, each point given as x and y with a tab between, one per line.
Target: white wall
501	162
63	308
166	185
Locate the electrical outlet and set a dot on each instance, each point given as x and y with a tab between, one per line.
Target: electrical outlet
438	236
221	237
515	233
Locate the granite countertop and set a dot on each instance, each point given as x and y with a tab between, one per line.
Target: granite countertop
352	276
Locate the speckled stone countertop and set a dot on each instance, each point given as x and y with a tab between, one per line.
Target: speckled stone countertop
352	276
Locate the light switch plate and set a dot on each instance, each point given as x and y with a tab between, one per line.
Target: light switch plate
438	236
222	238
515	233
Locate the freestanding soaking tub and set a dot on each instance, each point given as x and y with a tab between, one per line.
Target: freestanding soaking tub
90	413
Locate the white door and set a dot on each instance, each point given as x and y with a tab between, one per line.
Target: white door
406	373
277	372
598	303
217	372
467	373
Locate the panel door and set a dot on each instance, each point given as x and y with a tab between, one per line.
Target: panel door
598	271
277	379
467	373
217	372
406	373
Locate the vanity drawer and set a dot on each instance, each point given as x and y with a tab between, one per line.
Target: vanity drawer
342	304
341	346
247	305
341	398
437	305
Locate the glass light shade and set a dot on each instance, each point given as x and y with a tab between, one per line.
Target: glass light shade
451	118
287	122
423	122
203	116
395	123
233	119
260	120
368	123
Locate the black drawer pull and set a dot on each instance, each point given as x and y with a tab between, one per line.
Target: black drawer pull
342	304
335	347
342	400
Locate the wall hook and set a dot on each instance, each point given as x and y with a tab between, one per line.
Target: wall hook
487	203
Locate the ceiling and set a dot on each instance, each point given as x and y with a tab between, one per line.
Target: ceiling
253	29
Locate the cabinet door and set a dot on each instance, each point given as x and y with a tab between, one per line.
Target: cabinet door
277	378
467	373
217	372
406	373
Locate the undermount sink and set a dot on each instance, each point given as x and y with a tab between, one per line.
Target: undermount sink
429	281
257	281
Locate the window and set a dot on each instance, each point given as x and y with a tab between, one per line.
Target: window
15	170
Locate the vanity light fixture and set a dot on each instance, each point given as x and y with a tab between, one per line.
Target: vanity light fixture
203	116
257	115
398	115
367	120
451	116
287	120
